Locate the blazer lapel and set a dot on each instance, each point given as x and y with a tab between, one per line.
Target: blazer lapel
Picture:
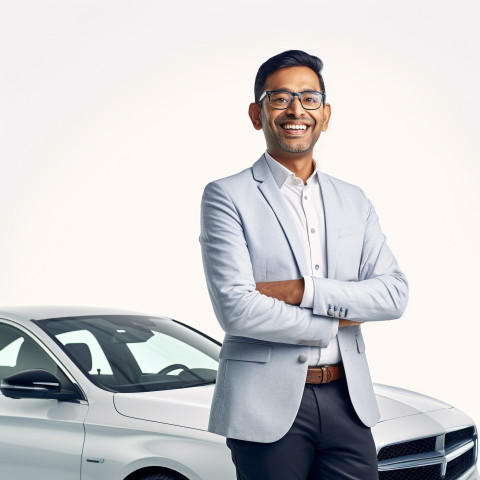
272	194
331	225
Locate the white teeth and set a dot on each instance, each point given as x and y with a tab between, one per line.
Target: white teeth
295	127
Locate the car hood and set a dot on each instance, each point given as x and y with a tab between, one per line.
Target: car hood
187	407
396	402
190	407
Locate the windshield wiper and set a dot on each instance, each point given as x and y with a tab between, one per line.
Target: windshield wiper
198	384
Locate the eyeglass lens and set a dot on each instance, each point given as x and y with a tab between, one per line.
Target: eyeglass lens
309	100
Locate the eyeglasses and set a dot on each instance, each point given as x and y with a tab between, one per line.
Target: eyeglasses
282	99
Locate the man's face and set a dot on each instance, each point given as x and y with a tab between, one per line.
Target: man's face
278	125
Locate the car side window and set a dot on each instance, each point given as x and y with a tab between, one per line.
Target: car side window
19	352
9	353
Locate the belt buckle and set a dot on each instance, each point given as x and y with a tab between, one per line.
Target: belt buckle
326	375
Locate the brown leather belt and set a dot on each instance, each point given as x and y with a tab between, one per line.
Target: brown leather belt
325	373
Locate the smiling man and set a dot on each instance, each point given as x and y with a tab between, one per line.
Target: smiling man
295	263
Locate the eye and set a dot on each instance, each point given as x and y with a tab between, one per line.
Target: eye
280	98
311	99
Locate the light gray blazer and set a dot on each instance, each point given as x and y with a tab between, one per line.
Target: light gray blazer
247	237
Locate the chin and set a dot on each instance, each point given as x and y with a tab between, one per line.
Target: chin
295	148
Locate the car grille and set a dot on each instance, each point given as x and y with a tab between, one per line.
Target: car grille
443	457
430	472
460	465
459	436
414	447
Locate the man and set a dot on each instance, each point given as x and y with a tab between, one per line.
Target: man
295	262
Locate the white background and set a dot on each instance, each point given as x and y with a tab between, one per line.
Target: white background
115	114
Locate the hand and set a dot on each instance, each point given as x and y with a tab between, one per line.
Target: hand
347	323
288	291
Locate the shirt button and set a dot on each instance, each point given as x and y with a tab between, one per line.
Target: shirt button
317	267
305	197
312	230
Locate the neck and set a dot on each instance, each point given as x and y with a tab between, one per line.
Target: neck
301	165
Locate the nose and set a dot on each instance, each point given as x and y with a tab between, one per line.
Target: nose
296	107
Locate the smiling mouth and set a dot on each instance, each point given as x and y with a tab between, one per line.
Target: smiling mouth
295	128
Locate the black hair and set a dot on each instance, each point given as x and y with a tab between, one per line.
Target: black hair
290	58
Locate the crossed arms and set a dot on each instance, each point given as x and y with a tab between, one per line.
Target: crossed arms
291	292
245	309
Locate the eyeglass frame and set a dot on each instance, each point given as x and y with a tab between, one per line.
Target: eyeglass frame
268	94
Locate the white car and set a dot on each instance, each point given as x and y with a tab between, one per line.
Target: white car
102	394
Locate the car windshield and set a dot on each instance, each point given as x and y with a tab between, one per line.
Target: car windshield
126	353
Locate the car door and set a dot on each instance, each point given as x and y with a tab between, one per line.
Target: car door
40	439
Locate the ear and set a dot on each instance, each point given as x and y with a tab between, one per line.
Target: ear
255	114
327	111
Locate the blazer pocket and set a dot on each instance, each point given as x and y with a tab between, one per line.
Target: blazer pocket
248	352
351	230
360	343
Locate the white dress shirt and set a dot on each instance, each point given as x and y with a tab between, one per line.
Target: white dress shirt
306	207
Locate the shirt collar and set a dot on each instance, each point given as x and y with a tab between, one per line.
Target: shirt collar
281	174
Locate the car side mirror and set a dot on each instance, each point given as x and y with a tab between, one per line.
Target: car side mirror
35	384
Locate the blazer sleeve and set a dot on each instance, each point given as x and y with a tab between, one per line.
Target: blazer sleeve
240	309
381	293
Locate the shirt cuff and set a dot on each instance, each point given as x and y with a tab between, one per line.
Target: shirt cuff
307	300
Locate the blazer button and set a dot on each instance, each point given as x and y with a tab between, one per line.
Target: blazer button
302	358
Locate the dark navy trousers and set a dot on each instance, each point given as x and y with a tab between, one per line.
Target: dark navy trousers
327	441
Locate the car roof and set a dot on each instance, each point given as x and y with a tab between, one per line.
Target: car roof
25	313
